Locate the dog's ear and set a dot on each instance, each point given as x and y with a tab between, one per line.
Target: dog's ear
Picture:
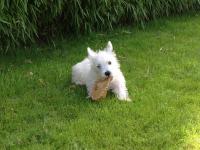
109	47
91	53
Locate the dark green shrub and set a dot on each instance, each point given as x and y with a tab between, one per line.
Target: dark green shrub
24	21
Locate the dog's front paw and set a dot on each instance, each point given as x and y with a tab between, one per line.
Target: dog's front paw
128	99
124	98
88	97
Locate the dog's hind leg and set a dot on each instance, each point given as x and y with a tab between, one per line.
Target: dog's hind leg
80	72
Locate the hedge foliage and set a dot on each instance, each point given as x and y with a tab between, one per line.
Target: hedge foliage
24	21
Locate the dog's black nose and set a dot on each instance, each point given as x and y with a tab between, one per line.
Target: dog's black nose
107	73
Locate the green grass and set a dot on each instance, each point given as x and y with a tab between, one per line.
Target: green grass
40	109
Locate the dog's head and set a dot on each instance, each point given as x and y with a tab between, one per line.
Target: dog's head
104	62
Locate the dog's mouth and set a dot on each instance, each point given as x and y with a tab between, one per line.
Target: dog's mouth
109	77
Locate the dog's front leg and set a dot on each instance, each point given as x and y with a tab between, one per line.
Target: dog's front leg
89	89
121	91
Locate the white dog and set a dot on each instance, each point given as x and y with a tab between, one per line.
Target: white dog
100	65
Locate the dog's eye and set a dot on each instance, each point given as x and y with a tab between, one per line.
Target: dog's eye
99	66
109	62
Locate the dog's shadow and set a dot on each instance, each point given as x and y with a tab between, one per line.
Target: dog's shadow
78	93
76	103
74	91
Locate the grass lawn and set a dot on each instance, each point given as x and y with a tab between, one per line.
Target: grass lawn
41	109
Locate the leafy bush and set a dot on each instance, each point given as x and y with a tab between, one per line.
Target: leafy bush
24	21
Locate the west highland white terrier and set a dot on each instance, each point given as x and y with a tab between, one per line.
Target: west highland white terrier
100	65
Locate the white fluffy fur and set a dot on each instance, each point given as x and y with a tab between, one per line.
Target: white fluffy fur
94	67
